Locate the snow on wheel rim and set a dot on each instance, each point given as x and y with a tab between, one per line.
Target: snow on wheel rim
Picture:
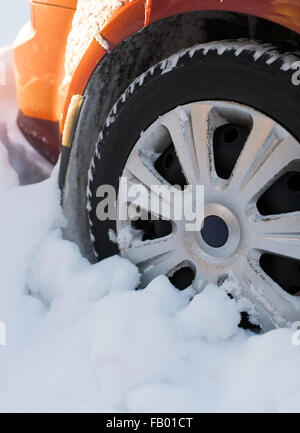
268	154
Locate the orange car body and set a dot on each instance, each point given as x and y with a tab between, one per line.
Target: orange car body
43	92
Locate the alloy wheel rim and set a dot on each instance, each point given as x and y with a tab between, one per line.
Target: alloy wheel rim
238	195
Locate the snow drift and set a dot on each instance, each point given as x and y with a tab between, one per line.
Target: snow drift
81	338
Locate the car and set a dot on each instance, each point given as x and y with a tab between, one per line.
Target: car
175	94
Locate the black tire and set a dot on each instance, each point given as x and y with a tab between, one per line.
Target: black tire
245	72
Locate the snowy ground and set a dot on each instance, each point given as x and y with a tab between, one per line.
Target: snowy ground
80	338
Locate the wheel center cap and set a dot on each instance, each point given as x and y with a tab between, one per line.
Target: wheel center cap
221	233
215	231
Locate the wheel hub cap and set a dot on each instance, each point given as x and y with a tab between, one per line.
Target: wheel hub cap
250	168
215	231
221	234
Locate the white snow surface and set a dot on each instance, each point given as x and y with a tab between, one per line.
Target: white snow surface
81	338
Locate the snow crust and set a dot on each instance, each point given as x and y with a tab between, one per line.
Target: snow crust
239	46
89	19
81	338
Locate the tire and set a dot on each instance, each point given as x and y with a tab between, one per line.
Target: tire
243	72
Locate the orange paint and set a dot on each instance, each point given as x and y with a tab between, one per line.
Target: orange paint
124	22
148	10
40	61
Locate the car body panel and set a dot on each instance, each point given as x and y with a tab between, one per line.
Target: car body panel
127	20
40	61
63	3
39	69
42	90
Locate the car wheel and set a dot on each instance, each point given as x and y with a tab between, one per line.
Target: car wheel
224	115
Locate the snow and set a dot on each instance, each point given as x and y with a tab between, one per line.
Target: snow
211	315
81	338
239	46
90	18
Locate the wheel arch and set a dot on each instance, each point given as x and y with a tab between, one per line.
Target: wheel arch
111	78
259	19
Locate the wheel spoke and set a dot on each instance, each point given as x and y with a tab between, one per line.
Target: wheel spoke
179	126
159	199
156	258
285	224
278	235
270	168
200	125
141	172
288	246
253	155
163	267
151	250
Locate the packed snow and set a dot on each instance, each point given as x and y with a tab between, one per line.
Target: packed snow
89	19
79	337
